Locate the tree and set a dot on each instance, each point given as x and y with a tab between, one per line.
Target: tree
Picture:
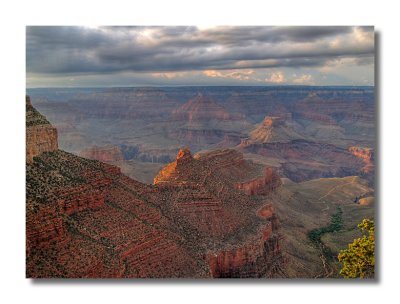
359	258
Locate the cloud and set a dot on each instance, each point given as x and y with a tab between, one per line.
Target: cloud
234	74
82	50
213	73
277	77
157	55
304	79
169	75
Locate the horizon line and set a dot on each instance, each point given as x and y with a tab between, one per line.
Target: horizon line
175	86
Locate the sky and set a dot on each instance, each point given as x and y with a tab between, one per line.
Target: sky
71	56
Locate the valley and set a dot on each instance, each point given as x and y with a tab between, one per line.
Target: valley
196	182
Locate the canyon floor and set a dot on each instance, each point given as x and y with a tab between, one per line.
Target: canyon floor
196	182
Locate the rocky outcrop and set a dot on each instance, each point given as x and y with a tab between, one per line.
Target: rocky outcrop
45	227
104	154
184	156
87	220
202	108
74	202
256	257
201	121
366	201
267	211
304	160
261	185
41	136
215	205
81	210
272	129
367	155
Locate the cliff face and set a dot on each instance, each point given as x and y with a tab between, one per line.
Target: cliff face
272	129
255	258
220	205
305	160
103	154
261	185
367	155
84	219
40	134
120	103
202	108
201	122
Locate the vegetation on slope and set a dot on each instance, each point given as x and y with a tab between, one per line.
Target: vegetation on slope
327	256
359	258
335	225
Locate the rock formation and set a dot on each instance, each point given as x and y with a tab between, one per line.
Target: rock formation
201	122
202	108
104	154
219	205
84	219
273	129
40	135
303	160
367	155
260	185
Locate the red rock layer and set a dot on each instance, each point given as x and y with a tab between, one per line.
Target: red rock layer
317	117
261	185
87	220
104	154
304	160
216	209
44	226
254	258
40	135
90	204
273	121
40	139
202	108
266	211
367	155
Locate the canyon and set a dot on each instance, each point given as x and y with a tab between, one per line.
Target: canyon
194	182
150	125
87	220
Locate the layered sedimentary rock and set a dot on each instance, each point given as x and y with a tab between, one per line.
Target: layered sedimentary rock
254	258
40	135
71	200
85	219
273	129
367	155
158	121
218	207
260	185
203	108
303	160
201	122
104	154
124	103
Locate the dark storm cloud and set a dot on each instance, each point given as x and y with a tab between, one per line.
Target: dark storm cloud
274	34
82	50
